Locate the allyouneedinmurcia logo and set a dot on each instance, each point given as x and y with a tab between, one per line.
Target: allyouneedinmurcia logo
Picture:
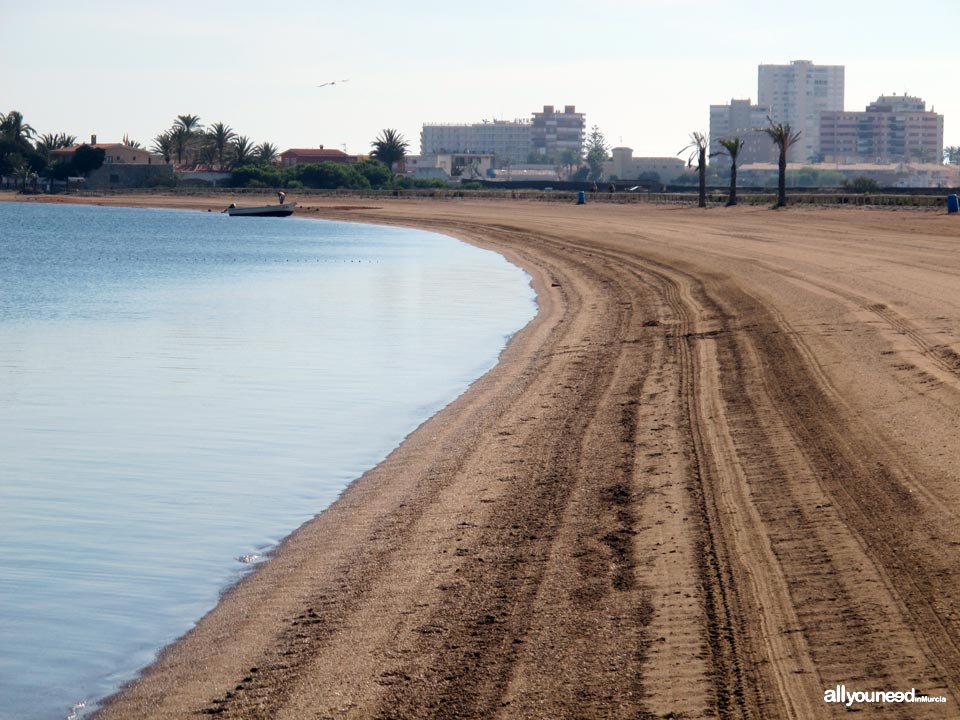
840	694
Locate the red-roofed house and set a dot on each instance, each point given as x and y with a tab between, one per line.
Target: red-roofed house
303	156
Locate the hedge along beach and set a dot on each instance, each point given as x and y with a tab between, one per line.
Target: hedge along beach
714	477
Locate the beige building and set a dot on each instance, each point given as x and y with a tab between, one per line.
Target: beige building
893	129
114	153
308	156
624	166
796	94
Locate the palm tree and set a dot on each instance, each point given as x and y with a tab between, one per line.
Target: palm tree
698	149
13	128
733	147
180	138
267	153
568	161
390	148
204	150
187	131
190	123
18	157
243	150
784	138
163	145
221	136
49	141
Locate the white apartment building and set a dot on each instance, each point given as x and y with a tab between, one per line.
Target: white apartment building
509	141
796	94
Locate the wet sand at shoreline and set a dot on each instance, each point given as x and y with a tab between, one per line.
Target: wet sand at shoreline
716	476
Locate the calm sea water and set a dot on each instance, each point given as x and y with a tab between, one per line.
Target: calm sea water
180	390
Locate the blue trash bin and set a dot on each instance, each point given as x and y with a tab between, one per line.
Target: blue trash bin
582	197
953	204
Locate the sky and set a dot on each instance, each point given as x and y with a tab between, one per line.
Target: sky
644	71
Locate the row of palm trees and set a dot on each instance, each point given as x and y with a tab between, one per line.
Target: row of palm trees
218	145
19	133
189	141
22	151
780	134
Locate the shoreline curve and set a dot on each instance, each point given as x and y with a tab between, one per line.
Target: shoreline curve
715	477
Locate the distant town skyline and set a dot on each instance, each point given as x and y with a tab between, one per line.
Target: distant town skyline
644	72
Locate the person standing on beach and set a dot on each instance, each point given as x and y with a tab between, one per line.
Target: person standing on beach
281	196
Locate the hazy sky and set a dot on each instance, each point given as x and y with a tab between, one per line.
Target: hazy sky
644	71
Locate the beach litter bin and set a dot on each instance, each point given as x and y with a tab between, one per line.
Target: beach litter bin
953	204
582	197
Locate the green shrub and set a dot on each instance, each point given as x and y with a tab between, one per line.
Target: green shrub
861	184
327	176
376	174
263	175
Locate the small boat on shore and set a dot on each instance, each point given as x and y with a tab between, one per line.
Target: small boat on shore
282	210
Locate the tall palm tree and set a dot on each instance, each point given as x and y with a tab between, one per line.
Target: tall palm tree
163	145
698	149
204	150
267	153
13	128
784	138
733	146
221	136
190	123
243	150
187	131
180	139
389	148
569	160
50	141
18	157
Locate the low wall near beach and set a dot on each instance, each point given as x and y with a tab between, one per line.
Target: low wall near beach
116	175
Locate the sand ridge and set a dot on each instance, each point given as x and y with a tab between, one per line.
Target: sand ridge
717	475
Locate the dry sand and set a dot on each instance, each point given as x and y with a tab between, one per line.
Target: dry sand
717	475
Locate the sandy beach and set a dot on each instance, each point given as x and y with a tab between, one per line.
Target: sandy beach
716	476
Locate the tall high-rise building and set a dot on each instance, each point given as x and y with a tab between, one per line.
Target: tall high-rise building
796	94
740	119
555	132
894	128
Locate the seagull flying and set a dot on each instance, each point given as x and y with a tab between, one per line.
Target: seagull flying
333	82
